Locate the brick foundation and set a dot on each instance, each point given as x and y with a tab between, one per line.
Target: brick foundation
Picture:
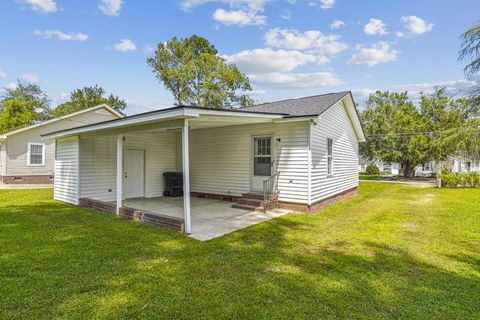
135	214
320	204
107	207
30	179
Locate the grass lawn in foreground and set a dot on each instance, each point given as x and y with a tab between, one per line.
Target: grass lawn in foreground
392	252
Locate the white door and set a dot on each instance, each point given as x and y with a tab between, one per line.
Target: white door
262	161
134	173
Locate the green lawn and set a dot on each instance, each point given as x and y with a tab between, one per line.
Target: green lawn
393	252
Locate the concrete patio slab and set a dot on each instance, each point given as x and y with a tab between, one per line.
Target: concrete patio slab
210	218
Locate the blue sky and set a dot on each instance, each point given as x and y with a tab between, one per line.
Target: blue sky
288	48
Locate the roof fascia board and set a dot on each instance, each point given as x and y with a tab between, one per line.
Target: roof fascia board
115	124
44	123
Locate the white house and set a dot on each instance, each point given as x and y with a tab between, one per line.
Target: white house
298	154
26	158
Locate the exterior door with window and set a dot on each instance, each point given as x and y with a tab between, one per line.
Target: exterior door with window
262	161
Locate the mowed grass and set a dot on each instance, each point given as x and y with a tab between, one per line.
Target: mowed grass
392	252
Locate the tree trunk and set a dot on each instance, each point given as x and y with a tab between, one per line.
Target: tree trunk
408	170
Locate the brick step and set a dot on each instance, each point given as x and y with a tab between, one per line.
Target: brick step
250	201
247	207
257	195
253	195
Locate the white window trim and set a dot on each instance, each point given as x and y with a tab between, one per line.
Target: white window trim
43	154
330	156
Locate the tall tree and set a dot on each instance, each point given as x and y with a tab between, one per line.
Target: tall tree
398	131
192	70
88	97
22	106
471	50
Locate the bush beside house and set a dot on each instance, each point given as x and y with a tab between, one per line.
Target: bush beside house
372	170
459	179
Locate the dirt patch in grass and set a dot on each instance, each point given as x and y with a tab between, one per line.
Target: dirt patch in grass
425	199
410	226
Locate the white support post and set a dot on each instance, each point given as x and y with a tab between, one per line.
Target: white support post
119	172
186	179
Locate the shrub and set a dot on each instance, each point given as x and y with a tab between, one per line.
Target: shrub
463	180
372	170
446	171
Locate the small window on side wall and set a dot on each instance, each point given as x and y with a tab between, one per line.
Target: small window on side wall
329	156
36	154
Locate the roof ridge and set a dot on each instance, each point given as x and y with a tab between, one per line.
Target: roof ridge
289	99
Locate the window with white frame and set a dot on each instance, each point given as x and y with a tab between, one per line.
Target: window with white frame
329	156
36	154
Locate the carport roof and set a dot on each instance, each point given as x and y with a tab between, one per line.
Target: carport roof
306	107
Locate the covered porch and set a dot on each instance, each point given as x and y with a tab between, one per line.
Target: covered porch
122	163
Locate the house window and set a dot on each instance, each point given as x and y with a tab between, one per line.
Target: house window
36	154
329	156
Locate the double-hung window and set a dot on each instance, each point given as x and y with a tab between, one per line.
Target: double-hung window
329	156
36	154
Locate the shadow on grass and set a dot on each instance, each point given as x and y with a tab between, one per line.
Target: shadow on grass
62	261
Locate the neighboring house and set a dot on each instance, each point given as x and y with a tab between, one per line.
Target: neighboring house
298	154
455	164
26	158
385	168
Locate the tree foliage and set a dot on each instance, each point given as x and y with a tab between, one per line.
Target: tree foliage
399	131
471	50
192	70
25	105
88	97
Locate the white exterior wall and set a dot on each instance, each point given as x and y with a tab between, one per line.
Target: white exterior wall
335	124
98	163
17	144
221	159
67	170
3	158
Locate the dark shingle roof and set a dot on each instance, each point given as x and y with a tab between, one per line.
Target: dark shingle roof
299	107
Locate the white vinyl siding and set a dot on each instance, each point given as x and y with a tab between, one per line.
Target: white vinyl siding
67	170
336	125
17	144
98	163
3	158
221	159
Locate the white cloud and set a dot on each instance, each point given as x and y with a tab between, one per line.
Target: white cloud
267	60
286	15
149	48
240	13
3	74
11	86
379	52
296	80
239	17
417	25
188	5
400	34
375	27
30	78
454	88
60	35
125	45
45	6
324	4
308	40
337	24
110	7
